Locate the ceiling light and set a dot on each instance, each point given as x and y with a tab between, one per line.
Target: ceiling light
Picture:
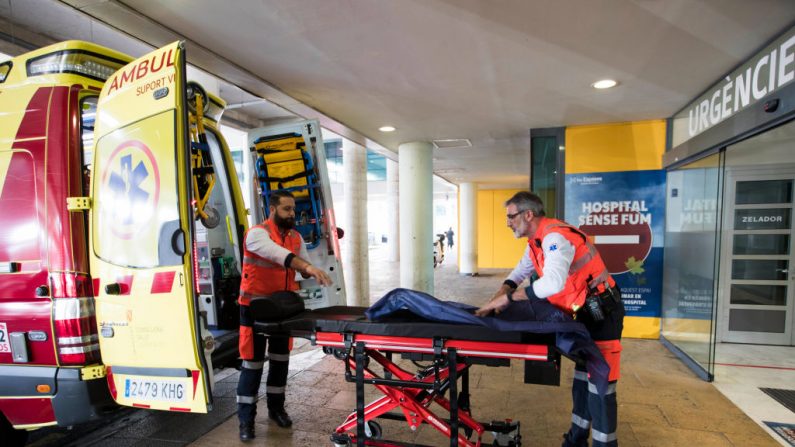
386	129
604	83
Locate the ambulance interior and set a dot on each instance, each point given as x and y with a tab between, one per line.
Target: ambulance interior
218	257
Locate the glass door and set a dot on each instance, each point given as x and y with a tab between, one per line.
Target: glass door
757	268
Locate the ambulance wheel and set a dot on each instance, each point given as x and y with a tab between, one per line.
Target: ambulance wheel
14	437
213	218
375	429
194	89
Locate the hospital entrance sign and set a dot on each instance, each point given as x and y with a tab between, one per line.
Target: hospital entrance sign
620	231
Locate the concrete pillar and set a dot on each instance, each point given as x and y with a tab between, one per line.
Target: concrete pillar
416	215
393	212
355	258
468	231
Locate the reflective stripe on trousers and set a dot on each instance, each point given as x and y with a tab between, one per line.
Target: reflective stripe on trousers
592	414
251	376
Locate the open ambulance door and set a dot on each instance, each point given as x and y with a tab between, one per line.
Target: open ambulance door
142	233
291	157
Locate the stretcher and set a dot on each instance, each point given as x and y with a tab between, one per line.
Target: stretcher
451	349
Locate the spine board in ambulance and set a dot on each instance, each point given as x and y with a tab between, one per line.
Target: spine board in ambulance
291	157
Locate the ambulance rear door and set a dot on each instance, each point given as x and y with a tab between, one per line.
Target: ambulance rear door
142	226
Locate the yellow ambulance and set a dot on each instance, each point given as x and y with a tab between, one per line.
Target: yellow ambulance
121	221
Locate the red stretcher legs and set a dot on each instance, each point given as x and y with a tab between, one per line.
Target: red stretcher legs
413	393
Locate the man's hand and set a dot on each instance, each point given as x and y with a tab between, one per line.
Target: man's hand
496	304
318	274
501	291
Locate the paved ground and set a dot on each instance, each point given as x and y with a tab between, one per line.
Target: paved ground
661	403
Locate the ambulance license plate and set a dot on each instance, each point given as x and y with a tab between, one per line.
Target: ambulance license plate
164	390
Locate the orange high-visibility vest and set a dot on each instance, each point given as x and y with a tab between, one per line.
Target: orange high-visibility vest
587	269
262	277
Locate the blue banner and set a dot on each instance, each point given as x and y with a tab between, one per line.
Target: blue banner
624	215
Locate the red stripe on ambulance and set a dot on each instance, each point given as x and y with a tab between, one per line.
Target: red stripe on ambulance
195	375
162	282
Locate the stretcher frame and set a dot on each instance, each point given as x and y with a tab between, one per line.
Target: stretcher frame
413	393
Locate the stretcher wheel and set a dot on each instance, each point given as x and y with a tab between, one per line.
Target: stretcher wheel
338	354
375	429
213	218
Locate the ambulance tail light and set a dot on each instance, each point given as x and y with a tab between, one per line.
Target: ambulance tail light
80	62
74	319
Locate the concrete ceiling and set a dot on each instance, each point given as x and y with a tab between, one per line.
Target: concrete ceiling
487	71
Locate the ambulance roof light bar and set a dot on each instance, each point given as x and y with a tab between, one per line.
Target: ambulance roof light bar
80	62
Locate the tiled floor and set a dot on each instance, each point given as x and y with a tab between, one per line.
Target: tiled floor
661	402
741	370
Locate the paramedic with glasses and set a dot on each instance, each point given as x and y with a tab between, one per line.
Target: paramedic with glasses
571	276
274	251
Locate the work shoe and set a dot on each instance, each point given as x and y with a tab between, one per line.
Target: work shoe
281	417
567	442
247	432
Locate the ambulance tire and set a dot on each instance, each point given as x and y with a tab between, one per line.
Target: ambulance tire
10	435
213	218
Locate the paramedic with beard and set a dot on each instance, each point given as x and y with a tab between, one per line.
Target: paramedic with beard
274	251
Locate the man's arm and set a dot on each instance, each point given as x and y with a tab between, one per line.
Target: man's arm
307	270
558	256
523	270
259	242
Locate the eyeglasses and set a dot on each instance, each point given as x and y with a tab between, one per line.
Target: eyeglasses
513	216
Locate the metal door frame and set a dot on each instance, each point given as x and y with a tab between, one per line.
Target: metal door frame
732	176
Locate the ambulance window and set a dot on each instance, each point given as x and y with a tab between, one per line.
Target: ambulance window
5	68
88	114
136	206
19	221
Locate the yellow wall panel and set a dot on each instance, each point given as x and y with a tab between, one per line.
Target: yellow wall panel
497	247
635	146
641	327
485	228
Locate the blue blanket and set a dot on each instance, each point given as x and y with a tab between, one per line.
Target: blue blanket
537	315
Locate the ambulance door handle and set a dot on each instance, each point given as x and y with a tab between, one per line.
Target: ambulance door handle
178	242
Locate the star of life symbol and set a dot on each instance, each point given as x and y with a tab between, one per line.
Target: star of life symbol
131	188
125	186
553	247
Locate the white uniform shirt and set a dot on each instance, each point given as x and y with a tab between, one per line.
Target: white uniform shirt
259	242
558	256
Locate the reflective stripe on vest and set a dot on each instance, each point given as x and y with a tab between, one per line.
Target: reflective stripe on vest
587	269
